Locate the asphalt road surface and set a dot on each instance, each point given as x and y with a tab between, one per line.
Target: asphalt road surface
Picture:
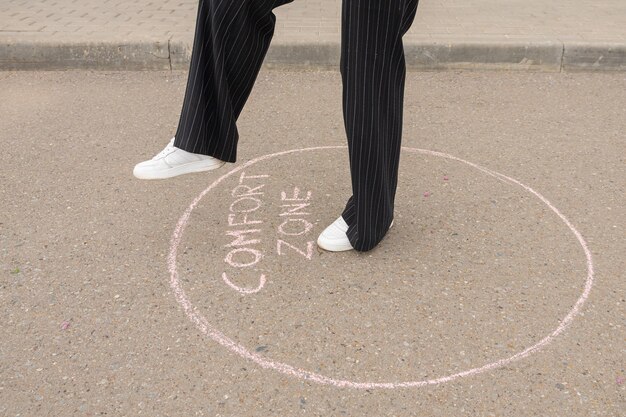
500	290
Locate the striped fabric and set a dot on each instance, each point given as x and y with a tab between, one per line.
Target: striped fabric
231	40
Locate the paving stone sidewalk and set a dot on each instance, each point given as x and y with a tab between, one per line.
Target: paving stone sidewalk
516	34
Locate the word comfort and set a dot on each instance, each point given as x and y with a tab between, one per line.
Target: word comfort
247	232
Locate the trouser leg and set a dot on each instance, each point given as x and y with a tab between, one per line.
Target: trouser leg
230	42
373	75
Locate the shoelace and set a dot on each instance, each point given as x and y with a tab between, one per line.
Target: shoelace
166	150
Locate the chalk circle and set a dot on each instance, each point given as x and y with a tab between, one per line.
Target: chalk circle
200	321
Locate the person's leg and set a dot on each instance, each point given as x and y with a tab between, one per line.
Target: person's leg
373	74
231	40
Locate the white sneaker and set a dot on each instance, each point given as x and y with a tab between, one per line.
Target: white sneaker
334	237
173	161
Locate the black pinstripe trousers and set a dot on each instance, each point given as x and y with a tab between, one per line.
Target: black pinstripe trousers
231	41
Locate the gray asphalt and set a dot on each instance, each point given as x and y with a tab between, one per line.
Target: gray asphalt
499	291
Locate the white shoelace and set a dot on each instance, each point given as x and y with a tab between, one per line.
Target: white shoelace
166	150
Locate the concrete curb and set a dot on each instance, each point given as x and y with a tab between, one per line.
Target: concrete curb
578	56
551	56
42	55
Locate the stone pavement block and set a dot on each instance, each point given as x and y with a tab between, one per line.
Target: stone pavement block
35	55
535	55
584	57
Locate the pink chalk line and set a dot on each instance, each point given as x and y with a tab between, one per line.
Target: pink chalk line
196	317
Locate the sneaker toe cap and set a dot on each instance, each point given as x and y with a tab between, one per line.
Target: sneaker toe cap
145	168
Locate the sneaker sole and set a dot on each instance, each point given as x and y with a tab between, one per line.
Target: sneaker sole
190	168
333	248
